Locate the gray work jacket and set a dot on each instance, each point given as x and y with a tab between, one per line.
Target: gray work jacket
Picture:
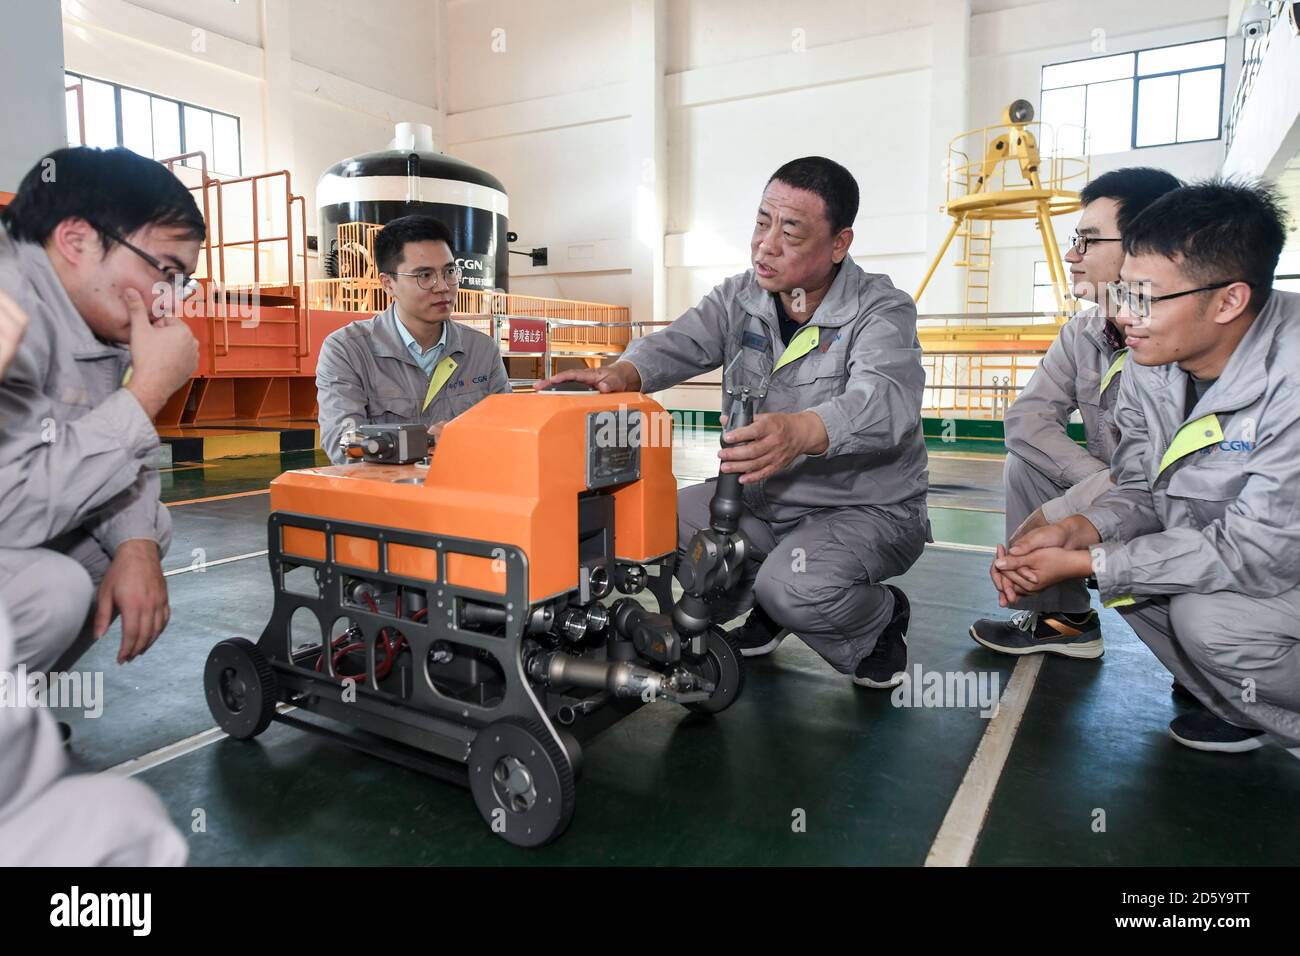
863	378
1208	501
73	441
1070	376
367	376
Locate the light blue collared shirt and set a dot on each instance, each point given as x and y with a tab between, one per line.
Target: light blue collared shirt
428	359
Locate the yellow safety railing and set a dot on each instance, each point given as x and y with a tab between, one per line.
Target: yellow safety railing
575	328
975	385
971	370
1002	190
976	365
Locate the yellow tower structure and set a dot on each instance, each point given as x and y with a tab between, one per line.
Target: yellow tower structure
1008	179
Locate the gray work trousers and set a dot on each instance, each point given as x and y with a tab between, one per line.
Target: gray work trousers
49	817
49	595
1239	655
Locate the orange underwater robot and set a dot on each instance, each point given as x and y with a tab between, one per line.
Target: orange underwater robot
474	613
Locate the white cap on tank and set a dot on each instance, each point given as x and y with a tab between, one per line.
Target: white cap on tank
416	136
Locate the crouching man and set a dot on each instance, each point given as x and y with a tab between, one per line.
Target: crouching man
1047	475
96	247
833	467
1198	544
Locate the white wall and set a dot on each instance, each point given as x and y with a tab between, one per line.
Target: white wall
731	31
722	154
538	96
635	185
502	51
878	86
31	88
749	85
1008	50
312	81
239	21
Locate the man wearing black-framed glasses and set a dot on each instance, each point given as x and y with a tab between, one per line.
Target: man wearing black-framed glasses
173	282
412	362
1047	475
94	251
90	250
1198	543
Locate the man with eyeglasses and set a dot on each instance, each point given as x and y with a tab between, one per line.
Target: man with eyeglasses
93	247
412	362
1047	475
1198	543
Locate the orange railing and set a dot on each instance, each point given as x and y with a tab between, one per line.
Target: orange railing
221	283
575	329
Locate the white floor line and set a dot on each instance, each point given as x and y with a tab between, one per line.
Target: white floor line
162	755
954	844
203	566
155	758
958	546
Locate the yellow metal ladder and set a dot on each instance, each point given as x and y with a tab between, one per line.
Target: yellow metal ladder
977	258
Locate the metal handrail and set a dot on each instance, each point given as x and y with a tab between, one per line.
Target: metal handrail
216	239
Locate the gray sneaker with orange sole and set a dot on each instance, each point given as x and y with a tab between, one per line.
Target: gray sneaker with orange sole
1034	632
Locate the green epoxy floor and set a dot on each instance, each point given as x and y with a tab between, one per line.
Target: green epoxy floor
873	780
661	786
1093	739
185	481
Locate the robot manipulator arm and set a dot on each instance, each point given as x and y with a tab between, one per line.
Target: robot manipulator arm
715	555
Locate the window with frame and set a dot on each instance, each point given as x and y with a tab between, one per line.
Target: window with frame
1044	291
1156	97
109	114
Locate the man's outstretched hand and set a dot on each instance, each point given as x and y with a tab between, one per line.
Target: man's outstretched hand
619	377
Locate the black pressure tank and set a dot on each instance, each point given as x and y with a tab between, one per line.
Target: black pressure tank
415	178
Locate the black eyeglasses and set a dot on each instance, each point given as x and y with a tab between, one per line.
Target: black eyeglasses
1137	297
1080	243
184	284
427	278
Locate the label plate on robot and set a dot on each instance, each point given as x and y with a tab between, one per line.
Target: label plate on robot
613	447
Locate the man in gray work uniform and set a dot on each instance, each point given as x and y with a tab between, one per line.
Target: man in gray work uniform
93	251
1198	542
97	255
1047	476
833	468
412	362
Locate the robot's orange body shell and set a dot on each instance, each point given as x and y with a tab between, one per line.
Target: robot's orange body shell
509	470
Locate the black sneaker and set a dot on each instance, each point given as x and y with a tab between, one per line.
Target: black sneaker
1033	632
1202	730
759	634
884	667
